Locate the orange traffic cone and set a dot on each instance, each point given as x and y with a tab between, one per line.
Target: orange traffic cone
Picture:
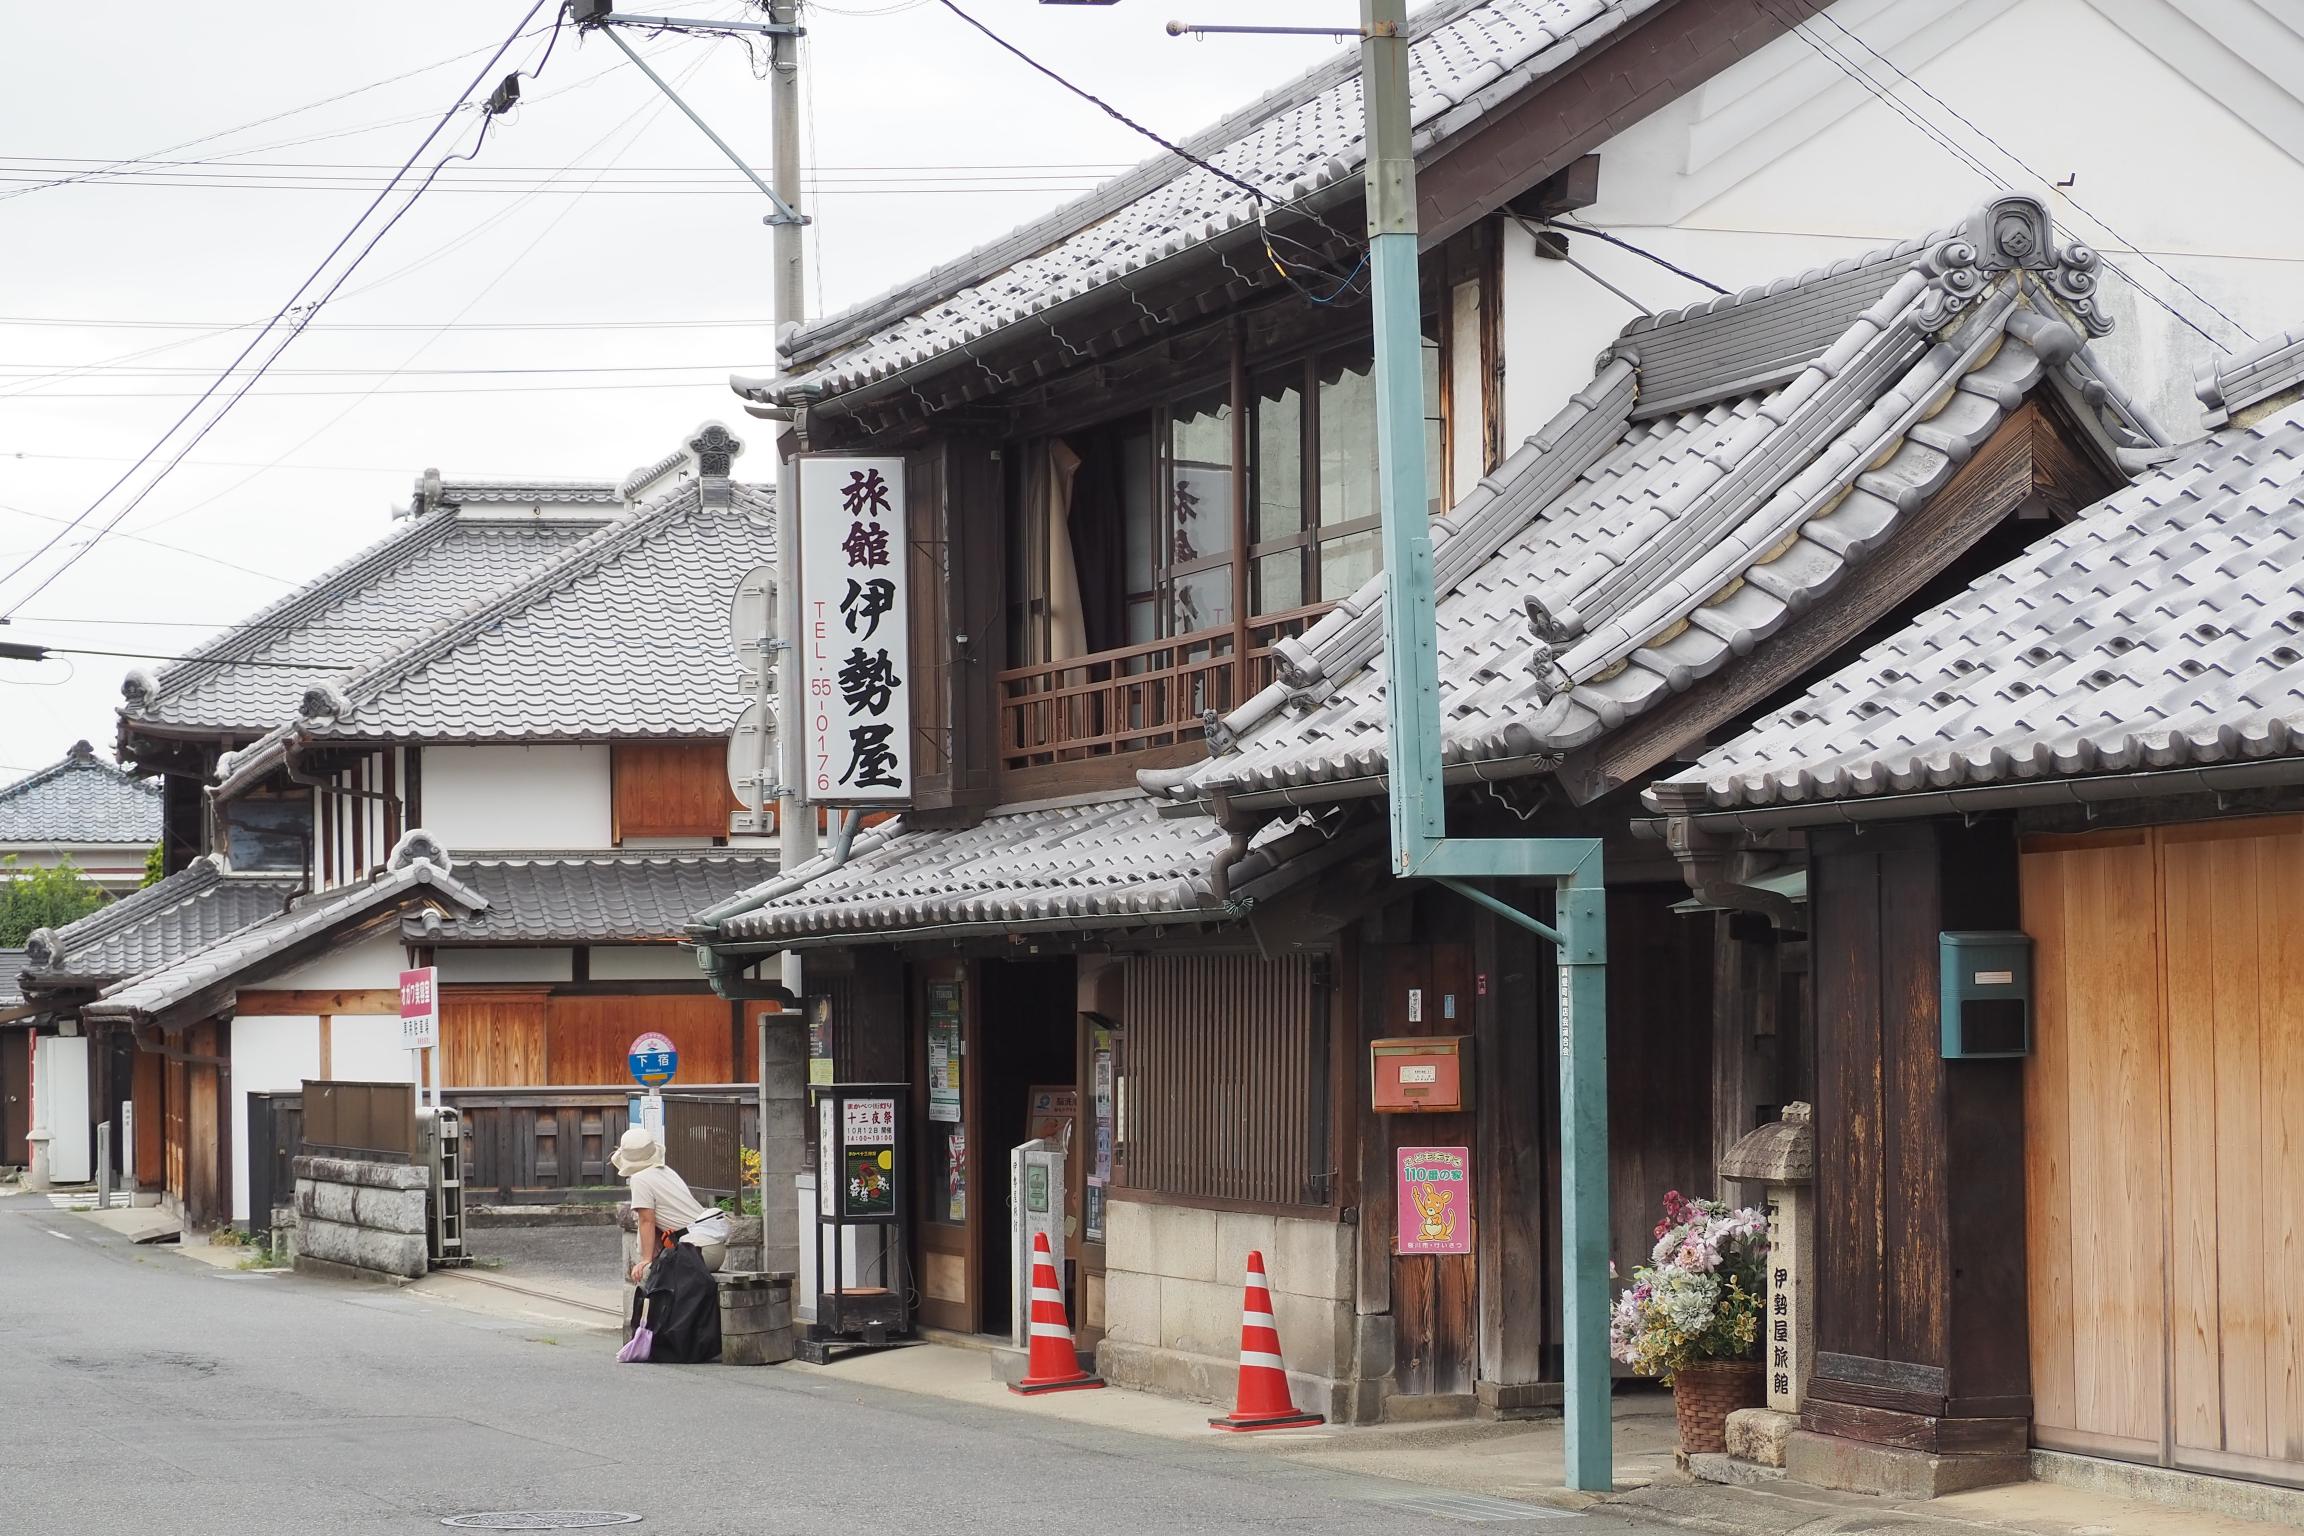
1051	1365
1263	1401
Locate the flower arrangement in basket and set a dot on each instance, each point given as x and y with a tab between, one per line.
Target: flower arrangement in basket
1701	1294
1695	1305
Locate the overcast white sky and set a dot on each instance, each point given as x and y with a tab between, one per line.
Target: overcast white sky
95	277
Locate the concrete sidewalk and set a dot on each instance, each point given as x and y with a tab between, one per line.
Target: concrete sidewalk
1522	1461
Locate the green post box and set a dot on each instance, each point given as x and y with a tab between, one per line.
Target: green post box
1986	994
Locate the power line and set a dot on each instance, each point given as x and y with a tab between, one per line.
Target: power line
304	317
90	323
1942	140
176	549
172	372
715	381
113	166
1263	199
1623	244
11	650
2085	212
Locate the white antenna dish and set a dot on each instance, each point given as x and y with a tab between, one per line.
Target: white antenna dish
752	621
752	758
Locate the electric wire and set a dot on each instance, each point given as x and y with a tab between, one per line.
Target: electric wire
174	549
291	306
1264	201
2084	211
1624	244
1962	154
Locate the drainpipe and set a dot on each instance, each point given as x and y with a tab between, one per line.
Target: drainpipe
1704	856
1242	829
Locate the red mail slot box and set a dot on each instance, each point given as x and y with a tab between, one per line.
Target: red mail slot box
1420	1075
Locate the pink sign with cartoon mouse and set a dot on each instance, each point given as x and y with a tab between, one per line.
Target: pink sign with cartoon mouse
1435	1200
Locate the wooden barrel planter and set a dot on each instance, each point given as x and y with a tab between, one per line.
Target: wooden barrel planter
1704	1393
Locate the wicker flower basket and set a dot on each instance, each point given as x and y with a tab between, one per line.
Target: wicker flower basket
1705	1392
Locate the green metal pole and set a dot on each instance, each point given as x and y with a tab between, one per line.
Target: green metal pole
1413	727
1420	845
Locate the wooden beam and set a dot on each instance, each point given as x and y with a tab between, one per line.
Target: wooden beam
1991	485
292	1003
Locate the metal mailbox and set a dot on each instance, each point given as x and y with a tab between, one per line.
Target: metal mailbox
1417	1075
1986	994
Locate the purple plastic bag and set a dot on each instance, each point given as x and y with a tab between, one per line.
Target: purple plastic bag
636	1348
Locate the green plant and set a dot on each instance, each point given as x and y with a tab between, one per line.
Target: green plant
34	896
155	868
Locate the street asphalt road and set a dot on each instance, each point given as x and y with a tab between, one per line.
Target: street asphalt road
150	1393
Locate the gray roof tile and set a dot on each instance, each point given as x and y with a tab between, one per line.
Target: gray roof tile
160	924
1613	562
625	635
1098	862
2230	386
81	799
627	896
412	878
396	589
11	971
2162	628
1468	56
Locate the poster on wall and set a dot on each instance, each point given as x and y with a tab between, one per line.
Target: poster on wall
1434	1208
956	1176
825	1151
855	631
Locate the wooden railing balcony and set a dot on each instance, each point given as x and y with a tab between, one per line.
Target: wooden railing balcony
1137	698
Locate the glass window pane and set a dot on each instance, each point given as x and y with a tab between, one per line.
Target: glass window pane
1348	444
1279	507
1202	600
1200	482
1347	563
1139	511
1280	582
1435	427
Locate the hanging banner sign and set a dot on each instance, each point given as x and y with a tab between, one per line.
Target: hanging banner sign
1435	1204
420	1008
856	729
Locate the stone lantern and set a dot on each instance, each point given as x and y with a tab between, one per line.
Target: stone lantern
1782	1156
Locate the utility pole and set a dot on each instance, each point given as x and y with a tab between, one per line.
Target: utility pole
795	818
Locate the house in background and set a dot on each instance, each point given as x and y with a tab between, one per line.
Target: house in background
2072	1228
85	812
528	787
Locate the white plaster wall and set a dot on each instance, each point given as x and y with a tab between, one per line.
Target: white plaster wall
644	962
2173	140
269	1055
516	797
60	1106
375	961
365	1048
503	965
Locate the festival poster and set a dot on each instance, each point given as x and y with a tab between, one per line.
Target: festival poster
1434	1209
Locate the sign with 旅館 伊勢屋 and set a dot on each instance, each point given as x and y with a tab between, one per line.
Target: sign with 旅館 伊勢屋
855	632
1435	1200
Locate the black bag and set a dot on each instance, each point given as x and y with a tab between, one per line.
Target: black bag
683	1308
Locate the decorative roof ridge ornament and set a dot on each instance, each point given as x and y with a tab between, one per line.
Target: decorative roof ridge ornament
419	846
715	449
2009	234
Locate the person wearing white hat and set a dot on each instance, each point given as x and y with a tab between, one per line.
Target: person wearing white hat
664	1208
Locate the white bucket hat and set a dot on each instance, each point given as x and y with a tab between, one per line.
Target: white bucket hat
636	1151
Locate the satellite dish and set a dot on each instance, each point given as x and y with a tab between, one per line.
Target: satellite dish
752	758
752	621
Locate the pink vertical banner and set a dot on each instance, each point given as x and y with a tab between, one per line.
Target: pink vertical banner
1434	1202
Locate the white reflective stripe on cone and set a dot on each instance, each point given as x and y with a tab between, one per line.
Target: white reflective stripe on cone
1259	1320
1250	1357
1042	1293
1042	1330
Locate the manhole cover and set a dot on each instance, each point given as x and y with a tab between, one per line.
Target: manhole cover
541	1520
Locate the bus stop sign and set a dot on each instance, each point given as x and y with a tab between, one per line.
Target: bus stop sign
654	1060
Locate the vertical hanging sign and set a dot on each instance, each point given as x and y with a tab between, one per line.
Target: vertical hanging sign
857	728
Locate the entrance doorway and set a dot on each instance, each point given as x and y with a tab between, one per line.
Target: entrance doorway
1028	1027
2164	1141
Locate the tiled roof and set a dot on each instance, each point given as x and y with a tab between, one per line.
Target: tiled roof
1468	57
412	877
425	570
81	799
2271	368
160	924
627	896
1098	862
2163	628
625	635
1612	563
551	493
11	970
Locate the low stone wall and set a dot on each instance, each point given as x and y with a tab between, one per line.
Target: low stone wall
1172	1293
368	1217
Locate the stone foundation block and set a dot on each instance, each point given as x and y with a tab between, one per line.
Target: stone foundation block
326	1202
1760	1435
386	1253
1132	1307
345	1170
1312	1258
1828	1461
389	1210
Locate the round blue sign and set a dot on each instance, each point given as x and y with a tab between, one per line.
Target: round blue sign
654	1060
